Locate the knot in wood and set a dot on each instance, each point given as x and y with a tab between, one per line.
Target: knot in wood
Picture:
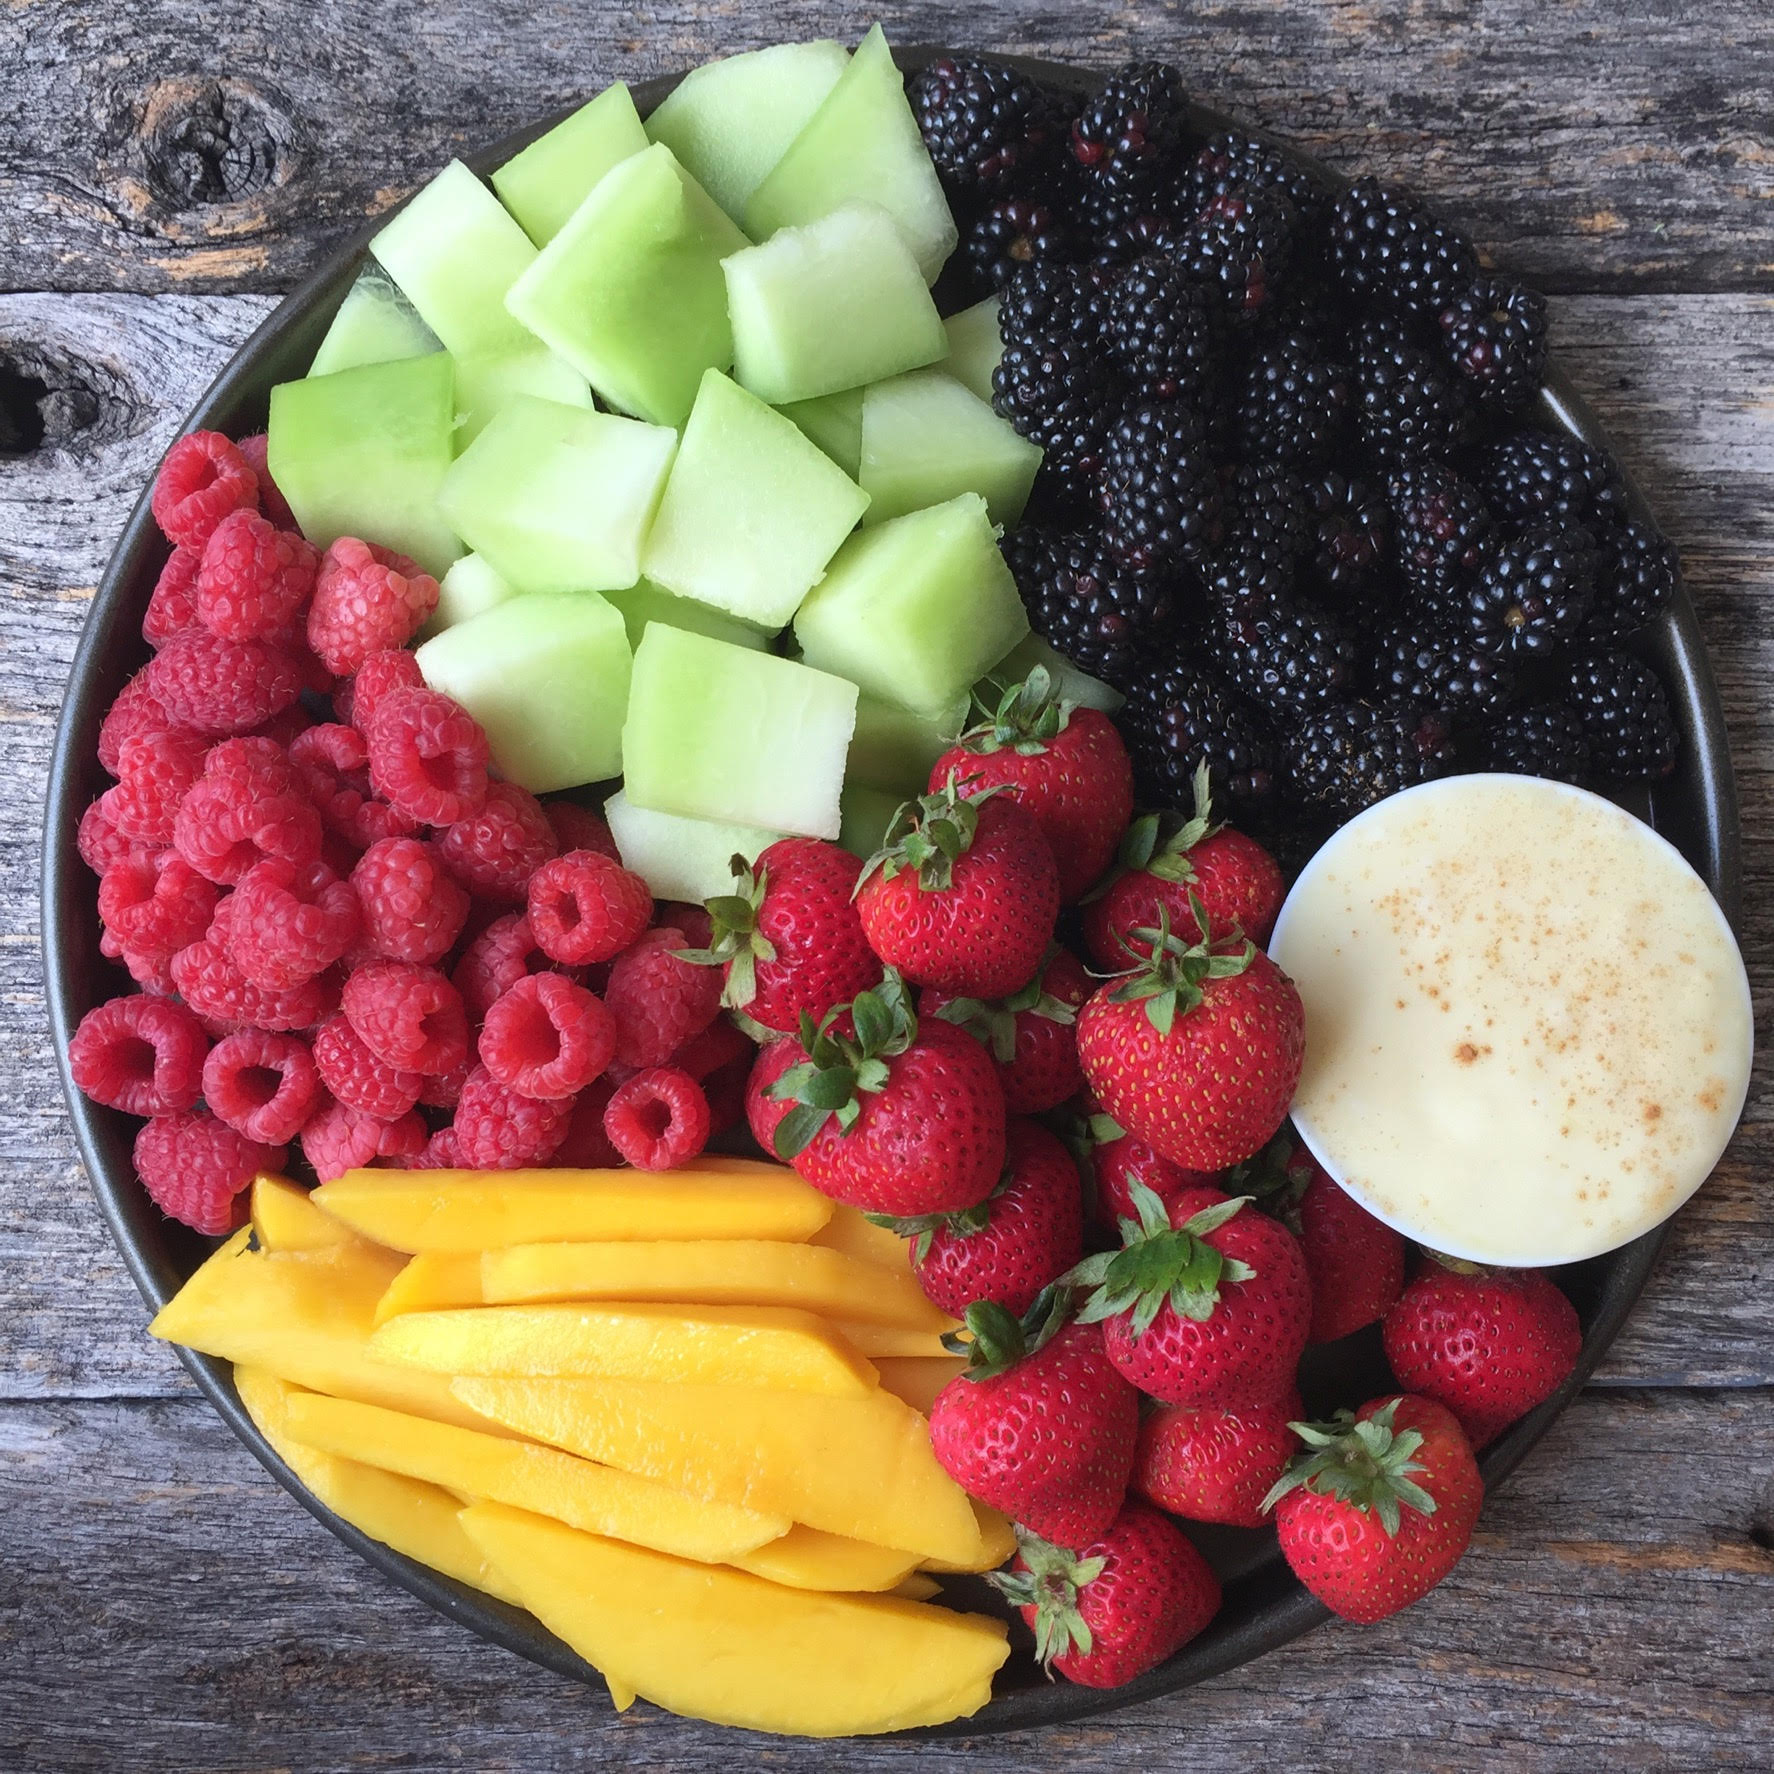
207	142
52	400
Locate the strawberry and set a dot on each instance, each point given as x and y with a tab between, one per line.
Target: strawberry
964	895
1039	1425
1356	1262
1196	1051
1216	1465
879	1110
1490	1344
1025	1234
1030	1033
1117	1607
789	935
1163	860
1065	763
1380	1505
1118	1161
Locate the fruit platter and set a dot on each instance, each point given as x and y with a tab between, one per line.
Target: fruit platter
788	875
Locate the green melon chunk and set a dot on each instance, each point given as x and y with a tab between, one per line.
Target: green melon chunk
687	859
925	438
974	346
894	748
1074	685
486	386
558	498
863	142
717	732
454	252
834	422
547	676
644	602
630	290
544	183
730	121
375	324
363	452
917	608
752	511
866	813
833	305
468	588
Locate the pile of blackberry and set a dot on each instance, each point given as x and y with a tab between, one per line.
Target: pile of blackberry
1294	503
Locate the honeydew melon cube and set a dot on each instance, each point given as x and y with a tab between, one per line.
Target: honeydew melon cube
718	732
547	677
893	748
1072	684
643	602
485	386
454	251
630	290
544	183
867	812
915	609
471	586
730	121
559	498
834	422
833	305
687	859
363	452
374	324
752	511
925	438
862	142
974	346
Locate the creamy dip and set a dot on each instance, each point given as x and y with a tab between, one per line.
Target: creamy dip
1528	1028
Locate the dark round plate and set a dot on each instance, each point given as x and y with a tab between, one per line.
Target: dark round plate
1264	1607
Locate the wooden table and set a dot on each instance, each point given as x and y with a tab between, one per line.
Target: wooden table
168	167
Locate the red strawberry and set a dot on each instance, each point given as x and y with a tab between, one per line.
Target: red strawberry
1025	1234
1198	1050
1216	1465
1490	1344
789	934
1030	1033
1118	1161
1379	1507
1040	1425
1206	1304
964	896
881	1111
1066	764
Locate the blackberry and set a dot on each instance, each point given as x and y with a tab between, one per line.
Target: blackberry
1265	505
1388	251
1159	489
1122	241
1444	529
1102	617
1538	477
1232	162
1178	717
1247	574
1405	403
1287	659
1131	134
1352	534
1055	304
1542	739
1421	662
1291	403
1637	575
1060	396
1351	754
1533	593
1240	246
1625	714
1005	237
1159	331
1495	334
983	124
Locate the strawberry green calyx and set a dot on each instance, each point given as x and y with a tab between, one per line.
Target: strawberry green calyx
1024	718
1159	1264
996	1339
992	1023
735	941
923	1227
1159	843
840	1067
1455	1265
1170	982
1365	1464
1272	1180
929	836
1049	1584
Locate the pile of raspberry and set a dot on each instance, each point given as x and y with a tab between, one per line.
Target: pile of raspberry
347	933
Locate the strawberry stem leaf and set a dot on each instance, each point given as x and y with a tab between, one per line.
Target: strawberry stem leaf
1050	1581
996	1340
1366	1464
1158	1265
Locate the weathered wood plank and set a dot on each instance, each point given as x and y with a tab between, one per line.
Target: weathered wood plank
164	1605
182	145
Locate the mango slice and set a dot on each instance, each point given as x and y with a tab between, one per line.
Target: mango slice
995	1544
810	1558
417	1519
859	1237
861	1467
917	1588
726	1646
918	1378
432	1281
712	1272
599	1499
285	1219
893	1341
465	1210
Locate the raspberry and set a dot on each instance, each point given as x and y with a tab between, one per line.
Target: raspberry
253	578
141	1055
495	852
332	765
364	603
254	451
440	1153
99	841
658	1001
584	907
725	1090
658	1119
496	1129
202	479
246	806
136	711
208	979
156	904
408	1017
339	1138
262	1085
195	1169
715	1047
587	1146
693	920
495	961
547	1037
428	756
172	605
444	1090
284	728
219	686
412	910
358	697
291	922
151	969
578	828
357	1078
155	772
